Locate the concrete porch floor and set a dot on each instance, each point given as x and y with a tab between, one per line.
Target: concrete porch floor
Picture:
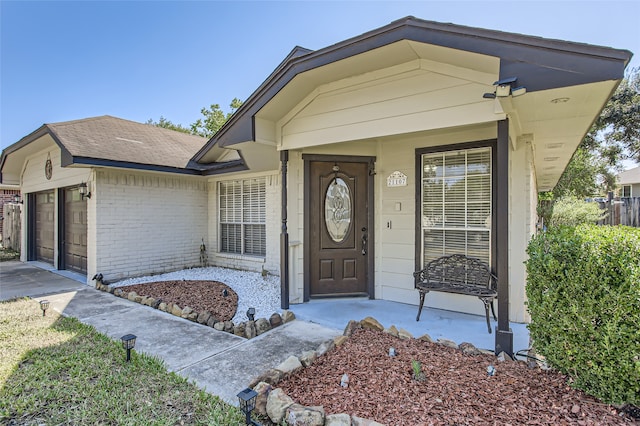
437	323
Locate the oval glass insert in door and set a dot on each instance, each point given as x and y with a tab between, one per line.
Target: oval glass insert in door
337	209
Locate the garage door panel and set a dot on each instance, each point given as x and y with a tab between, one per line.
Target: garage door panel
75	225
44	226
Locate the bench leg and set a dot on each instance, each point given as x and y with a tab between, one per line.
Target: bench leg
493	311
486	311
422	294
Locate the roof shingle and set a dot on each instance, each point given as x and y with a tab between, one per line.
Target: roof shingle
116	139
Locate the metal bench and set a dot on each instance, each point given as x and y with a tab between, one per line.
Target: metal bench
458	274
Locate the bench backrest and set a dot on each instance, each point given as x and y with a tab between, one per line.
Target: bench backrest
457	269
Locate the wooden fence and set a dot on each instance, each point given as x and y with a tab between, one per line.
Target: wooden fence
11	226
622	211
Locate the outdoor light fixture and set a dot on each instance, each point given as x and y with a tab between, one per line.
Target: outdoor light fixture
84	191
247	399
128	342
251	314
17	199
505	88
44	305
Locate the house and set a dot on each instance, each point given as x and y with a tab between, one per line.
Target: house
143	210
629	182
347	169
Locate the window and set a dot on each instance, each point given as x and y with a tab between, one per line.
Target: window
456	204
626	191
242	216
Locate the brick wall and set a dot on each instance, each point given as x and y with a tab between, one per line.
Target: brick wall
148	223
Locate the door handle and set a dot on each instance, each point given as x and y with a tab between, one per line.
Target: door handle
364	244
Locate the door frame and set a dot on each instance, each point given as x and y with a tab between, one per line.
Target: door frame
61	229
31	223
370	268
31	226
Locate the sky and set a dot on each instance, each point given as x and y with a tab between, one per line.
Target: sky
62	61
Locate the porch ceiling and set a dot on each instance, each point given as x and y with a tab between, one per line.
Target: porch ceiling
555	121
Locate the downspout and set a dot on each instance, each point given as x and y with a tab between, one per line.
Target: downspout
284	237
504	334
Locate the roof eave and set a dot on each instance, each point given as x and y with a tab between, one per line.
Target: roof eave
30	138
101	162
614	62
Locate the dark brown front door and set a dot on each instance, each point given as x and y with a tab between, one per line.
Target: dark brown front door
338	228
44	226
75	231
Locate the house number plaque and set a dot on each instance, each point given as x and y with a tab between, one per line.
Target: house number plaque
397	179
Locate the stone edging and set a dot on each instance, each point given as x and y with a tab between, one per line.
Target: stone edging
247	329
279	407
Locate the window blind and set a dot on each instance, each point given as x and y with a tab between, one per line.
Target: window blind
456	204
243	216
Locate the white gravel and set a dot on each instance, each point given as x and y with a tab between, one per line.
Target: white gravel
254	290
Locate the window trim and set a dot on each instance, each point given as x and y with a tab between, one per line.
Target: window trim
243	223
622	191
487	143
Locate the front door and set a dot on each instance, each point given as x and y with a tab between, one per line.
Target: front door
338	217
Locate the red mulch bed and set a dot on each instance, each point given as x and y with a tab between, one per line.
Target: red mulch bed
198	295
456	391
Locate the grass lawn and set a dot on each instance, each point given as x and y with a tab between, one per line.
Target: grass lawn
56	370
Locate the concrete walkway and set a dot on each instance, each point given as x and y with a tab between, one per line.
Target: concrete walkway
222	363
219	362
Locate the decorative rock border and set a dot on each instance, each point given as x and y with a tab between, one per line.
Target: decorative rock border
279	407
247	329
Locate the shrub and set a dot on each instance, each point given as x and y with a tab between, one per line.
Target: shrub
583	292
570	211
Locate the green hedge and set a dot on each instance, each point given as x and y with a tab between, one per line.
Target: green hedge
583	294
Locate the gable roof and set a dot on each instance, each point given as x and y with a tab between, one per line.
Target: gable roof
538	63
630	176
112	141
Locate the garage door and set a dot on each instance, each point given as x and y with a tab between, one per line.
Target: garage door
44	225
75	231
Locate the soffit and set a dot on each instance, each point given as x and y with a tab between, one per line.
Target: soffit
556	121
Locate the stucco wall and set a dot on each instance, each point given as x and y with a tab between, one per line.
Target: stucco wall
147	222
271	261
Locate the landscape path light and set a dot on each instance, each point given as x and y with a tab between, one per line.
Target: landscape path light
247	400
128	343
44	305
251	314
